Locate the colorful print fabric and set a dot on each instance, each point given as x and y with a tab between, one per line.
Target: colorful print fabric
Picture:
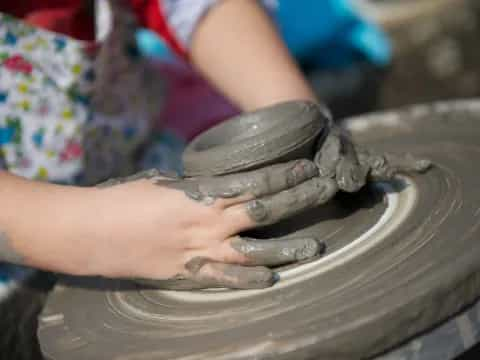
49	129
40	119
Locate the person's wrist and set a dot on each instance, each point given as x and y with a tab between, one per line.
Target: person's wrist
87	224
60	233
105	214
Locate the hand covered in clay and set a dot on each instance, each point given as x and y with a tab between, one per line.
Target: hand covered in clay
351	166
183	233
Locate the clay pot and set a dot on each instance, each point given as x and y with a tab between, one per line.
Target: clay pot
274	134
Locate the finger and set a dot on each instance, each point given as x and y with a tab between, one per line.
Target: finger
276	207
350	173
241	187
258	183
204	273
337	159
274	252
329	155
211	274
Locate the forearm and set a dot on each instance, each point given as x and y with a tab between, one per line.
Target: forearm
36	220
237	47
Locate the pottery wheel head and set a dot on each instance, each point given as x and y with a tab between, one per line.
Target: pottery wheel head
278	133
401	258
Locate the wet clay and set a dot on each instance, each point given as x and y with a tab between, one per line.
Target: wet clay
307	195
351	166
257	183
271	135
203	273
279	132
272	252
419	273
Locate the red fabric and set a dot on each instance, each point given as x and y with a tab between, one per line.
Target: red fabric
17	63
68	17
72	17
152	16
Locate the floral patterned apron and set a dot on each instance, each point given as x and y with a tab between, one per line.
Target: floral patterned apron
72	111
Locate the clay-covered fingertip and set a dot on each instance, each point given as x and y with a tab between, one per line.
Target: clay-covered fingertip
352	181
309	249
260	278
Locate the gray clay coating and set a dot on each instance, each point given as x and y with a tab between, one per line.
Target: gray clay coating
288	131
270	135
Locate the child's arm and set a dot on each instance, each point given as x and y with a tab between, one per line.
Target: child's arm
153	227
236	46
38	222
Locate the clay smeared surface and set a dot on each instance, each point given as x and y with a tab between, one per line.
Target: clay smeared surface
424	271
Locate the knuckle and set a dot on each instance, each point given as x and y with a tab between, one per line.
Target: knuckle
257	211
300	171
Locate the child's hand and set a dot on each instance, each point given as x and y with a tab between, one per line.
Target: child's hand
351	166
183	232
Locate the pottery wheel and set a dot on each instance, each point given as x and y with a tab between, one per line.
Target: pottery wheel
402	257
